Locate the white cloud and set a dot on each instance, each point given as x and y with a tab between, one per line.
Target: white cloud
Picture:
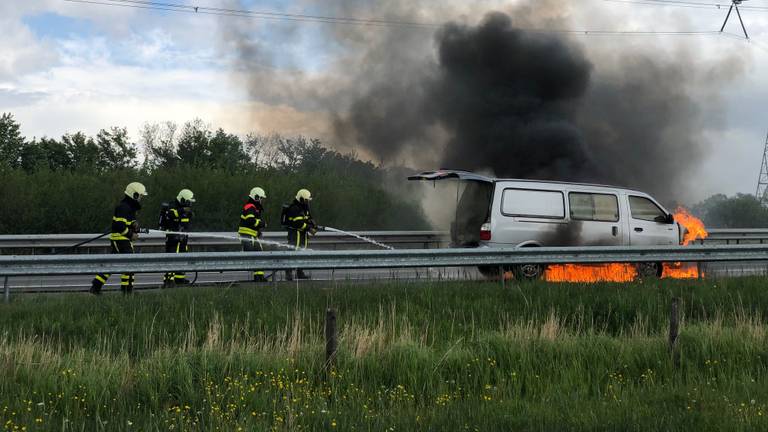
20	51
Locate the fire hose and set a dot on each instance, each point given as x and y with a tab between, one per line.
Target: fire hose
84	242
75	246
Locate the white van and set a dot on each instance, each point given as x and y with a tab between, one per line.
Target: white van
494	212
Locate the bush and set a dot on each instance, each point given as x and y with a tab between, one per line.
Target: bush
45	201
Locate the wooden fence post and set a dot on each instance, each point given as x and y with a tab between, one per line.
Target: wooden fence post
331	340
674	328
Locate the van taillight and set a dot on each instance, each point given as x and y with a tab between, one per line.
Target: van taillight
485	232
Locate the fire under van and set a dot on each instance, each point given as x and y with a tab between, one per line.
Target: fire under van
501	213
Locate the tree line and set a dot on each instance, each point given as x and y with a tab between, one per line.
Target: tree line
738	211
72	184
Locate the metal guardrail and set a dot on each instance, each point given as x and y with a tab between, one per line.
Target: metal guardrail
369	259
736	236
81	264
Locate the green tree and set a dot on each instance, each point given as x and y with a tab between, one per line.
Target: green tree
740	211
11	141
115	150
290	152
159	142
227	151
82	150
45	153
194	144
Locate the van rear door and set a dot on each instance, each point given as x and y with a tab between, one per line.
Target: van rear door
473	207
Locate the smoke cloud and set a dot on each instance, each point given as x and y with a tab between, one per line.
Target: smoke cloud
531	105
485	94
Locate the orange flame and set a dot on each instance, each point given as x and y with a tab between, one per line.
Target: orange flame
620	272
694	227
613	272
680	270
694	230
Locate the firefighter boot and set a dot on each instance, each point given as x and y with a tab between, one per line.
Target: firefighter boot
95	288
168	281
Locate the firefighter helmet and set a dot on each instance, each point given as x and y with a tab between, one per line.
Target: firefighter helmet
303	194
257	193
185	197
135	190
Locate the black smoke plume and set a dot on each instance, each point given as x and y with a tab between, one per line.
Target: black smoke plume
528	104
510	100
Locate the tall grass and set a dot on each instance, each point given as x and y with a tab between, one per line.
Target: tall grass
449	356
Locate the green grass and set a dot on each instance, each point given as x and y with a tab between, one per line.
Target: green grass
426	356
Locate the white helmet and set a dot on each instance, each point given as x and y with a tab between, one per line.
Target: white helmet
185	196
257	193
135	190
303	194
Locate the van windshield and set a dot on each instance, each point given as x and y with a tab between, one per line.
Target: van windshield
472	211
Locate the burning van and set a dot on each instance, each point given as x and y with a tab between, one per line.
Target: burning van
493	212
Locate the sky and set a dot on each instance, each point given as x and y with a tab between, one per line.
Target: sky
67	67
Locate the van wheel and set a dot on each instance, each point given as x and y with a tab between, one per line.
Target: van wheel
528	271
649	270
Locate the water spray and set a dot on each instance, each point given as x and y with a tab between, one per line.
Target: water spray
366	239
228	237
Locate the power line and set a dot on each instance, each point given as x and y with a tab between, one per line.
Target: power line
204	10
174	7
734	5
692	5
688	4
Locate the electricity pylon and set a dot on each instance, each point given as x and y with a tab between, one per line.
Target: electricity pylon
762	180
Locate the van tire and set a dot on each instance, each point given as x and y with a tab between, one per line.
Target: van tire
528	272
650	270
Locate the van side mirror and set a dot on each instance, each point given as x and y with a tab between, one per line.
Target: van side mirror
668	219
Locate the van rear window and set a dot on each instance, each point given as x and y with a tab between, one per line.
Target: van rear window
533	203
593	207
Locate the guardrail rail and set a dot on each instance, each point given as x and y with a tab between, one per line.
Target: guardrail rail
42	265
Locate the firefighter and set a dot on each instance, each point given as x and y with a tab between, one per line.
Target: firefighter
300	225
175	217
251	226
125	230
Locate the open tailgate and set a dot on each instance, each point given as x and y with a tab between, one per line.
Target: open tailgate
443	174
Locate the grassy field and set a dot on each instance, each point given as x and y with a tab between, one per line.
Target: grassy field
440	356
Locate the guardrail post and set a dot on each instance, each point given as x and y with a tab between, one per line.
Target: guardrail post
331	340
7	291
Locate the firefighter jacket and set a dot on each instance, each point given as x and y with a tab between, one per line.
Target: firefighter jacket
124	222
177	218
251	222
298	217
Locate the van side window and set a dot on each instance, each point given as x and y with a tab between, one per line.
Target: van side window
645	209
594	207
533	203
